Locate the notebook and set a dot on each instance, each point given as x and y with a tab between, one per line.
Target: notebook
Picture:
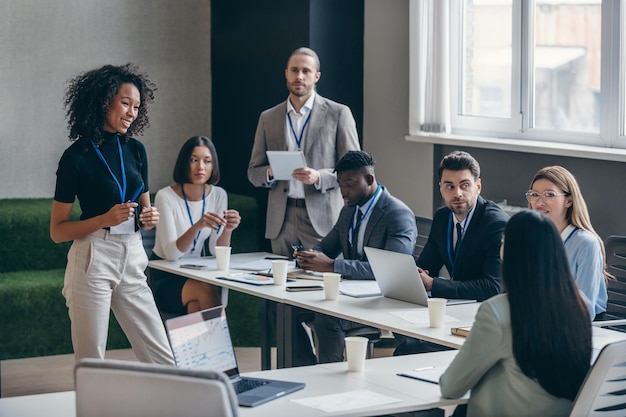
398	278
202	341
359	288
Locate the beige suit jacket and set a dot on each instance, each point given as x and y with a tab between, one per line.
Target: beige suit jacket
486	366
331	132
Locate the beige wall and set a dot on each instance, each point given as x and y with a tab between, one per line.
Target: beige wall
45	43
405	168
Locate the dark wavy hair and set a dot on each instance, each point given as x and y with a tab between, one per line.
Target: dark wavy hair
550	324
88	99
459	161
181	168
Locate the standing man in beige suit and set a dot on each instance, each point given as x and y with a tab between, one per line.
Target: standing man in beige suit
304	209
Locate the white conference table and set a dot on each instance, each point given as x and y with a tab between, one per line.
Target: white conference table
380	312
371	311
378	377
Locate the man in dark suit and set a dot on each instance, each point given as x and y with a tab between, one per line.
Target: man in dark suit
465	237
370	217
303	209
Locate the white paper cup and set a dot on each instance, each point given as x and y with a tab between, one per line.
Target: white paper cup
279	271
331	285
356	350
222	254
436	311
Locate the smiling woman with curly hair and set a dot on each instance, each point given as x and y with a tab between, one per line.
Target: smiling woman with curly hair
89	98
107	170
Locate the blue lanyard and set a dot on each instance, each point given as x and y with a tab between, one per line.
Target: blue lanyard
121	188
354	226
182	188
295	136
459	240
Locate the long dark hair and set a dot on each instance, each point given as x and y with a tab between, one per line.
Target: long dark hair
89	96
549	321
181	168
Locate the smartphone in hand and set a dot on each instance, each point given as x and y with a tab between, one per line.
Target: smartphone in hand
297	247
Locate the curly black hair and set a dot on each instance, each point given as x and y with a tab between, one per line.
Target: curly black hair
89	97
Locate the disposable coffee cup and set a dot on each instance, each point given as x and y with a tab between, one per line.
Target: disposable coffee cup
436	311
279	271
222	254
331	285
356	350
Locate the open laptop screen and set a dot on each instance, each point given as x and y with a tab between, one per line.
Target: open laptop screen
202	340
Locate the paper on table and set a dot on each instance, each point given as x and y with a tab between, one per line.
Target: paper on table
259	265
419	316
284	162
359	288
345	401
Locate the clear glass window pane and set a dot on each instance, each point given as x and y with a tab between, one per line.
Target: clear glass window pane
486	78
566	57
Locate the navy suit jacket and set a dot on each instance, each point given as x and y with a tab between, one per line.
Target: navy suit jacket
476	273
391	226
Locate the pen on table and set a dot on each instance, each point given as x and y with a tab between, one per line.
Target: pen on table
424	368
417	378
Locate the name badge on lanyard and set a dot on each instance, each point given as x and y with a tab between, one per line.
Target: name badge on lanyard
297	138
127	227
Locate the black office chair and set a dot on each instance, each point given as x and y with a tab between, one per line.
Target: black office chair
423	231
615	247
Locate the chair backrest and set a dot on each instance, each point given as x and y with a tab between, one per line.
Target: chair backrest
616	265
423	231
148	237
124	388
603	393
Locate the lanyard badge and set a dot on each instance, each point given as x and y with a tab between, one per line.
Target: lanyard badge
127	227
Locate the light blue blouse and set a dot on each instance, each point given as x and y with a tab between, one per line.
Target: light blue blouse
585	261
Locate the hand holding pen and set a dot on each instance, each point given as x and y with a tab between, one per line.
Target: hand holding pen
233	219
212	221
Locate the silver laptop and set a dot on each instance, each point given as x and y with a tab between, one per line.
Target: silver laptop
202	341
397	277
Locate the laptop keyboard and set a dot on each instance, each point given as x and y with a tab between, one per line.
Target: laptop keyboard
244	385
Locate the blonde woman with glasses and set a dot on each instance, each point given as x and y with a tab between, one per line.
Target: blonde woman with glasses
555	192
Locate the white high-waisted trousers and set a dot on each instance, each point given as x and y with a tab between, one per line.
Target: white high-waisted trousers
106	272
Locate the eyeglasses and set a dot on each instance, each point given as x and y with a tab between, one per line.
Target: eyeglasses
546	196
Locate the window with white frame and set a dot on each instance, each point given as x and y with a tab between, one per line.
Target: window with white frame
547	70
